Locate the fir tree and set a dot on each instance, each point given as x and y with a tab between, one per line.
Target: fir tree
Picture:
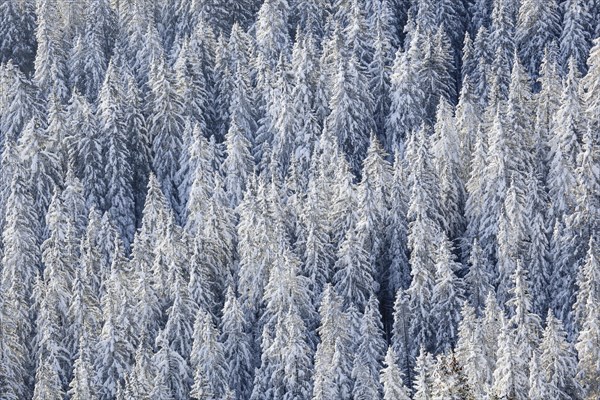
447	296
558	362
117	167
588	364
164	127
538	24
392	379
237	346
207	359
423	384
369	354
575	38
354	276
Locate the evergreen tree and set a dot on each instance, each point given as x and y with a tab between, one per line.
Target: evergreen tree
447	296
330	331
50	58
86	150
164	127
21	103
589	84
117	167
17	32
272	30
47	379
351	117
139	380
478	280
565	147
372	196
237	166
392	379
423	384
369	354
173	376
35	148
237	346
82	384
538	24
557	361
588	363
207	359
510	378
575	38
353	278
469	352
446	153
398	273
179	328
587	278
407	99
401	343
20	262
586	216
115	345
449	379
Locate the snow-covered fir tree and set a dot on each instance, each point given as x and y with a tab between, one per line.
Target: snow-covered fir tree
299	199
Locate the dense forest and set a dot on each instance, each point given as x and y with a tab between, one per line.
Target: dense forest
300	199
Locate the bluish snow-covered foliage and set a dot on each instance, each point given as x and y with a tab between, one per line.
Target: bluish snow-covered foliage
299	199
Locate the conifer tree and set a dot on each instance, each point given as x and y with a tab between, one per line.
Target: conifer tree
179	328
236	346
557	361
17	32
20	262
116	345
588	364
86	150
401	343
207	359
548	98
372	196
173	377
82	384
117	168
447	296
407	99
392	379
469	352
575	38
330	331
589	84
353	278
446	153
565	147
369	354
47	379
50	70
510	378
165	126
586	216
21	103
538	24
237	166
351	118
478	279
35	148
139	380
587	284
272	31
398	274
423	384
